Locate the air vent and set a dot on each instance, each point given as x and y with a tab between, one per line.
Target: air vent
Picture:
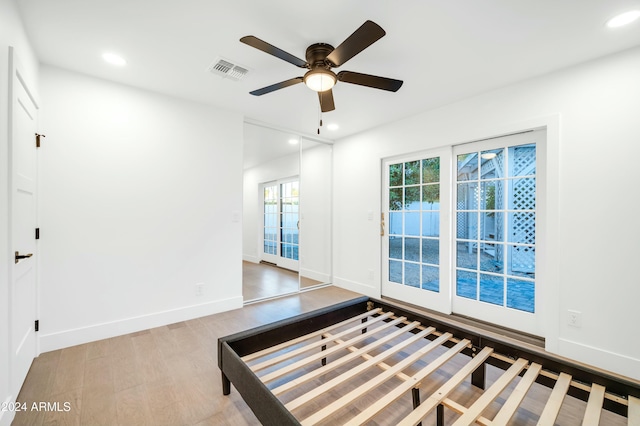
228	69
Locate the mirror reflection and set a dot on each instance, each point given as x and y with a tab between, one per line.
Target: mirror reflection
286	213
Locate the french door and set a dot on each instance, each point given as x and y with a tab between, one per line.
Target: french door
460	230
416	265
280	225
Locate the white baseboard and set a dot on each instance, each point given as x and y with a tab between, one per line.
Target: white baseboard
78	336
250	258
616	363
367	290
315	275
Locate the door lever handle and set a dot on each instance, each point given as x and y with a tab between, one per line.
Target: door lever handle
22	256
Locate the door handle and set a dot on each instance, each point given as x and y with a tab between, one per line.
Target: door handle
382	224
22	256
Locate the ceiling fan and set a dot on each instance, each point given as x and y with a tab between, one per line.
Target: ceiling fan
321	58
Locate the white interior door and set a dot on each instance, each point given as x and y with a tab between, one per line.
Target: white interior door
416	209
23	184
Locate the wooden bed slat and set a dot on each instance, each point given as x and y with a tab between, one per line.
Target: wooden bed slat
322	354
517	395
594	406
436	398
325	387
386	375
353	355
415	380
315	344
492	393
553	405
461	409
634	411
283	345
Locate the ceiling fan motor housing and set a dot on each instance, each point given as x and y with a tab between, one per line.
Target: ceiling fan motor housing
317	54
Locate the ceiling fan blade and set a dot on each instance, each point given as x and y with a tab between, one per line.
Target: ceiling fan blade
272	50
363	37
277	86
326	100
374	81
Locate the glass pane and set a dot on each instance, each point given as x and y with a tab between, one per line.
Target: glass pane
467	198
491	257
395	199
430	224
492	289
412	172
492	226
466	255
430	197
467	225
430	251
431	170
412	249
412	274
521	261
431	278
395	247
395	223
523	194
522	160
395	271
466	284
492	195
395	175
492	164
521	295
412	198
522	227
412	223
468	166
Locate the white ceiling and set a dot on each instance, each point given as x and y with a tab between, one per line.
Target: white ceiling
443	50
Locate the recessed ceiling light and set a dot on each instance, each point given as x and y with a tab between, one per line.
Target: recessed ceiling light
333	126
623	19
293	141
114	59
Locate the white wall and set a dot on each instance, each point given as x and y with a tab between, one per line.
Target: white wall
11	34
140	201
592	175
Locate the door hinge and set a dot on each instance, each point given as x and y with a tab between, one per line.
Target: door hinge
37	233
37	325
38	135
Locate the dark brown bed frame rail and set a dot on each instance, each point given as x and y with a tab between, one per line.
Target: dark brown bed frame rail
269	410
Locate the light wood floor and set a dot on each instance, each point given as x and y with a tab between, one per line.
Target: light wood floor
164	376
260	281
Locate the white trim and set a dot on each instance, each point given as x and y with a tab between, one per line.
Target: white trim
620	364
368	290
64	339
250	258
315	275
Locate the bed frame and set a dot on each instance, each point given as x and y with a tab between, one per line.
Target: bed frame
357	337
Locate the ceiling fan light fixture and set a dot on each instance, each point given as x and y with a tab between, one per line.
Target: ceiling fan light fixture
320	80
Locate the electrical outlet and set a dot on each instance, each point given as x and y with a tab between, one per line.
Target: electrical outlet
199	289
574	318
